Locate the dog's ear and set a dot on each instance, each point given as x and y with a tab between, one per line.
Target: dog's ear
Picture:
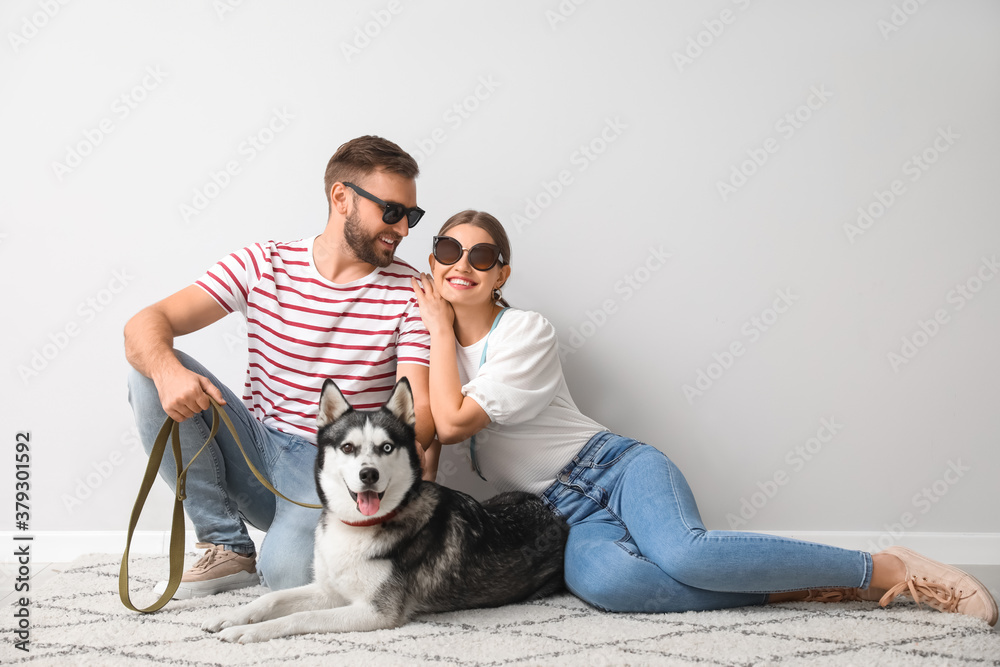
332	404
401	403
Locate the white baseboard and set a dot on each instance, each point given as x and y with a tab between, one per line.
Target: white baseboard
65	546
961	548
958	548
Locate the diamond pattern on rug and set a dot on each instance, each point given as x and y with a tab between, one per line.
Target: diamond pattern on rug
77	619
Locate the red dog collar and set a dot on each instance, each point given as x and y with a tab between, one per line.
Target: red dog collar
372	522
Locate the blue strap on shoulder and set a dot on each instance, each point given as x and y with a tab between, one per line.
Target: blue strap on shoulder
482	360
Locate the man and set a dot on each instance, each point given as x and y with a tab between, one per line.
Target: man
335	306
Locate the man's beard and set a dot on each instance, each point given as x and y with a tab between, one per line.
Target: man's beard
368	250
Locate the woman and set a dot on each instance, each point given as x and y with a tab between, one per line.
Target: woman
636	540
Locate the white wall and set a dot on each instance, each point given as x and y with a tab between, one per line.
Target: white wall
888	81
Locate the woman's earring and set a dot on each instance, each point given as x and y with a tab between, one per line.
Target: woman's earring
497	294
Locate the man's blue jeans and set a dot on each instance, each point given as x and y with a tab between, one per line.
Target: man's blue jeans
222	493
637	543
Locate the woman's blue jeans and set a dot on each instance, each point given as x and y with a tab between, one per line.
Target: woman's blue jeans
222	492
637	543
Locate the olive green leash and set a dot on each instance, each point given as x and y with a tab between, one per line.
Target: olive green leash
170	430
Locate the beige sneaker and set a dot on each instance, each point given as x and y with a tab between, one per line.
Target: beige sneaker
941	586
216	571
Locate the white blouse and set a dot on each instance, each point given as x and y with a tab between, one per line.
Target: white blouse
536	428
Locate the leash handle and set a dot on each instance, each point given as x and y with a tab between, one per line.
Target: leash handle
170	431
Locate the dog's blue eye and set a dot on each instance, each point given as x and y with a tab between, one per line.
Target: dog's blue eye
347	449
387	447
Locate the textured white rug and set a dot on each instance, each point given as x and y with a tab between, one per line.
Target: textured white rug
77	619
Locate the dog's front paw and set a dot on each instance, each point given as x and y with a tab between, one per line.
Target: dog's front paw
218	624
247	634
252	613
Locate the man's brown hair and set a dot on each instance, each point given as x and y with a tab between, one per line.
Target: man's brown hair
365	155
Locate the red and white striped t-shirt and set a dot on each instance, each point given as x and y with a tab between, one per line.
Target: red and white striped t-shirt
303	329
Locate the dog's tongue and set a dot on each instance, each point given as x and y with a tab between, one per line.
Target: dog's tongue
368	502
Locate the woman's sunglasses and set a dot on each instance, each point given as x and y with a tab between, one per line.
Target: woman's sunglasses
482	256
392	212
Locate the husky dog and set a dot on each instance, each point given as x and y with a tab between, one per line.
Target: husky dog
389	545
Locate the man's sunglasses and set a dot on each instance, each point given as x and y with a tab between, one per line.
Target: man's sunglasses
392	212
482	256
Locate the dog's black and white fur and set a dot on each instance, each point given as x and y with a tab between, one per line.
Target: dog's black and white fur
427	548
